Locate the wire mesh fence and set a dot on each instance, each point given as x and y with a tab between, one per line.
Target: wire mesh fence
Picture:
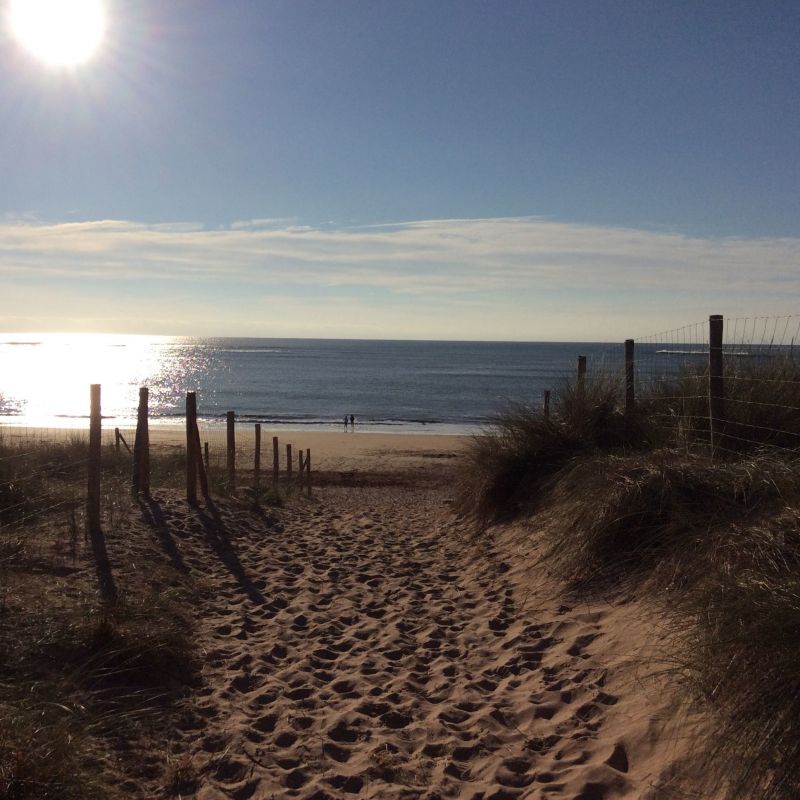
762	383
733	385
750	400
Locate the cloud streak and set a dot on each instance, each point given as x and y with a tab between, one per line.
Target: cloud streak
464	267
427	256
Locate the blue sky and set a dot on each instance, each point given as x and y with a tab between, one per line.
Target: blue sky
537	168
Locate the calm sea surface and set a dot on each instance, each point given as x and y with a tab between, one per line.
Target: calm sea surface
436	387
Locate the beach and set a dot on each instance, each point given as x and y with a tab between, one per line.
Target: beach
365	642
331	451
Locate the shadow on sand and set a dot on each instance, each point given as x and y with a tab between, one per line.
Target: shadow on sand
153	516
220	543
108	589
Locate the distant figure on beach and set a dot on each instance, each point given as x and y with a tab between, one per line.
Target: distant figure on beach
352	423
345	423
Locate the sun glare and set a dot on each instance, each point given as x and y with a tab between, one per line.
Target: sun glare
60	33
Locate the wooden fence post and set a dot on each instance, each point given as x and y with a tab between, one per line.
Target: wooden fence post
547	404
205	455
276	465
301	466
231	420
716	384
581	372
630	386
192	453
93	483
308	472
141	445
104	576
257	458
201	470
116	439
288	464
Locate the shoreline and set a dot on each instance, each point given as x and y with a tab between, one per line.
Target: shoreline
331	450
411	428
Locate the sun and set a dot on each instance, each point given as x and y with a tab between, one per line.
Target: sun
60	33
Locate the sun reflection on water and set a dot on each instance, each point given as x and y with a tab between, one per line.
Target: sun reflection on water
44	378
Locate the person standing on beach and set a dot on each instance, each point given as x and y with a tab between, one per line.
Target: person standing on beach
352	423
345	423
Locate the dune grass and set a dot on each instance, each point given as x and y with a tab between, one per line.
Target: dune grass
738	645
512	465
640	503
77	674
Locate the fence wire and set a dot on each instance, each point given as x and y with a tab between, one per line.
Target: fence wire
760	406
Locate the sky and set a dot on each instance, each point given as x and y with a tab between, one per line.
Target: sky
428	170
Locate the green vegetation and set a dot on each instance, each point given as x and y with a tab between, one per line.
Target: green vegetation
640	503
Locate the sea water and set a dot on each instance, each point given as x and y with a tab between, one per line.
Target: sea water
401	386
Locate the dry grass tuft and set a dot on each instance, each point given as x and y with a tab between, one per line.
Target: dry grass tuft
40	753
510	468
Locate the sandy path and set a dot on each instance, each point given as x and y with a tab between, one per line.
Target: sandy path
360	646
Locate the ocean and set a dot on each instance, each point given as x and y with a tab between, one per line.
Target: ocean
401	386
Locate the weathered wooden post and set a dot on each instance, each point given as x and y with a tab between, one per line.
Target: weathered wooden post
257	458
192	452
547	404
581	372
116	439
141	445
716	384
276	465
288	464
308	472
93	483
205	455
201	470
231	420
300	468
630	387
95	530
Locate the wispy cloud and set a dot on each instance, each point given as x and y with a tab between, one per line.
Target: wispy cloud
444	263
434	255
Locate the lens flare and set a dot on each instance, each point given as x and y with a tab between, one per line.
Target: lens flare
60	33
